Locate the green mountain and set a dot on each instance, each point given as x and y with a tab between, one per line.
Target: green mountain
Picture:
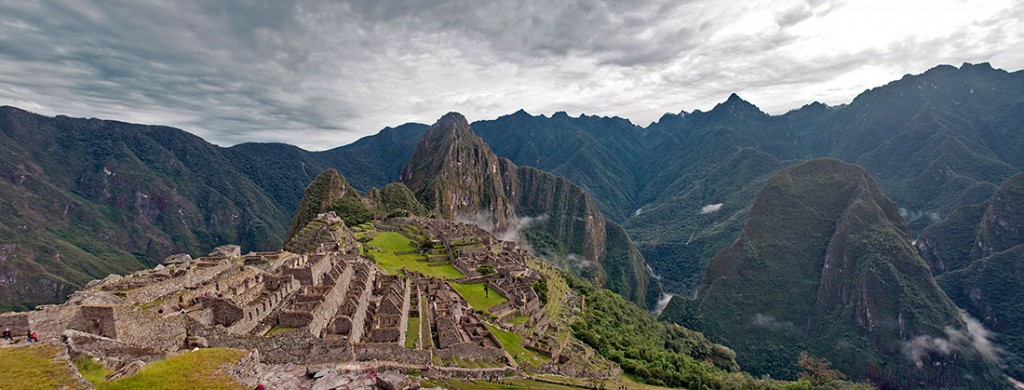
457	176
977	255
83	198
824	264
326	192
934	141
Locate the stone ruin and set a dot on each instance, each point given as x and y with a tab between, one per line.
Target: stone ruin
319	302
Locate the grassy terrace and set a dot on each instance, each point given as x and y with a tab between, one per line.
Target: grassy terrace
518	320
33	367
505	384
202	369
412	332
477	298
513	344
391	242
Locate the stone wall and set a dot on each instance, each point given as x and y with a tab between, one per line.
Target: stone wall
16	322
98	320
471	351
282	348
390	352
323	314
149	329
359	318
403	324
193	278
259	309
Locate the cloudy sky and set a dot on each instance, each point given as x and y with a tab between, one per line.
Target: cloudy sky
322	74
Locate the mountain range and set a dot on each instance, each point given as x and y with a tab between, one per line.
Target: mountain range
637	209
681	187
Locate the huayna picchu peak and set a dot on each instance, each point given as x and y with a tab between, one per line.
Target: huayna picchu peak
457	176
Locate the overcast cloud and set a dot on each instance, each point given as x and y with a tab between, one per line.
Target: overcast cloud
322	74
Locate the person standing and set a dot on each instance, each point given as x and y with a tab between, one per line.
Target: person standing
8	335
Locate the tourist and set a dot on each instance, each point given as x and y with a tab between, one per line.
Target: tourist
34	337
7	334
28	336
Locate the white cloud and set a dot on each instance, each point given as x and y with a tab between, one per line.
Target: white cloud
708	209
321	74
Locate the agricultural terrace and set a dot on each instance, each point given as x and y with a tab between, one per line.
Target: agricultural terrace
477	297
513	343
394	251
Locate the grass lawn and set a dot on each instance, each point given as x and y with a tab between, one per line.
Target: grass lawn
279	329
412	332
428	342
33	367
518	320
202	369
391	242
505	384
94	372
474	294
610	383
513	344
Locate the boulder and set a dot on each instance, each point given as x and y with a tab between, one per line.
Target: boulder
330	380
179	260
196	342
390	380
226	251
127	370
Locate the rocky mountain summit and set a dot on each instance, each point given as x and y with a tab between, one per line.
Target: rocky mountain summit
457	176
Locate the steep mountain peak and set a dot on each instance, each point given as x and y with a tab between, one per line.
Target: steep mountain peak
456	174
737	107
451	122
323	192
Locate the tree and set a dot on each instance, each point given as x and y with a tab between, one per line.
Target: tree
485	269
818	370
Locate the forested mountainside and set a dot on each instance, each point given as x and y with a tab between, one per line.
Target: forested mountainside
977	255
825	265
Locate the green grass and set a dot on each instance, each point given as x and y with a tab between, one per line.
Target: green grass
280	329
518	320
412	332
202	369
464	363
621	381
477	298
513	344
428	342
33	367
92	371
391	242
506	384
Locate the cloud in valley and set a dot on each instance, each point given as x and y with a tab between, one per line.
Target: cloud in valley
321	74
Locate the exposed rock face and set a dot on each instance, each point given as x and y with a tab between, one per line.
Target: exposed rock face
841	281
977	255
457	176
